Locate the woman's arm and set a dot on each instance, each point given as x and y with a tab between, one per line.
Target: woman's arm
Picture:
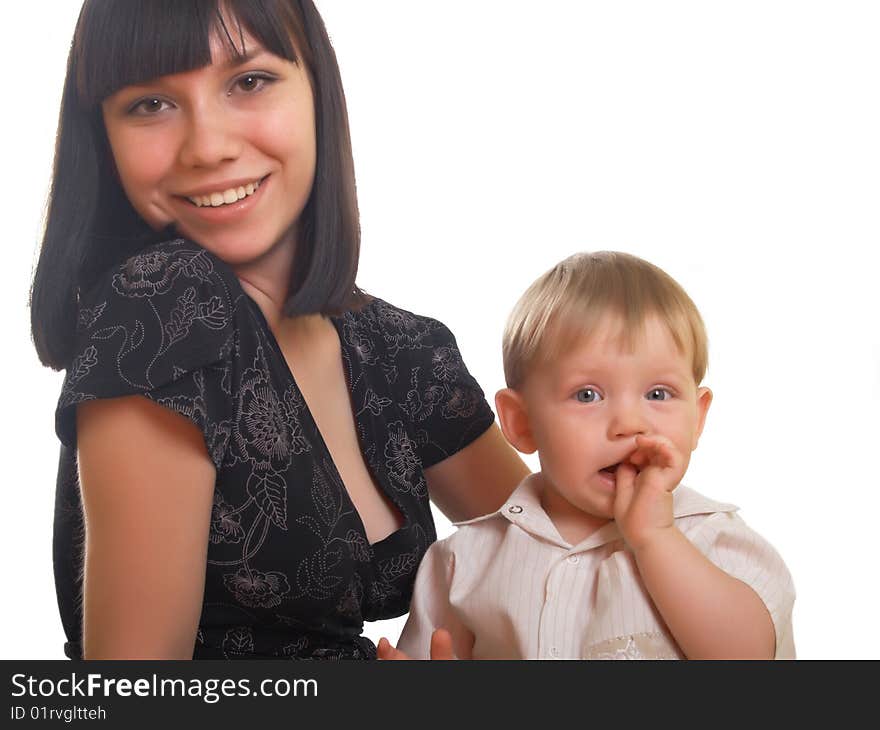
478	479
147	486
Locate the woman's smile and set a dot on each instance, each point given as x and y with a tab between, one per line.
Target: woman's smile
223	205
224	193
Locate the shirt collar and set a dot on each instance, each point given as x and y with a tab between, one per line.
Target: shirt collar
523	509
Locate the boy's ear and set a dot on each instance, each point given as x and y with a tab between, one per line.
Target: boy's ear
514	419
704	400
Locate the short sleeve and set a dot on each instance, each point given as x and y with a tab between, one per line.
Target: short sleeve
742	553
159	325
430	608
446	406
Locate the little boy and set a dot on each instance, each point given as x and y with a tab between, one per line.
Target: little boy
602	554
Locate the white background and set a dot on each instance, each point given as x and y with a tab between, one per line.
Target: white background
735	145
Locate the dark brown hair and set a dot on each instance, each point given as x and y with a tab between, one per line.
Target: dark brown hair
90	224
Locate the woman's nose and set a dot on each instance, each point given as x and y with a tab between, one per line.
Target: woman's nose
211	138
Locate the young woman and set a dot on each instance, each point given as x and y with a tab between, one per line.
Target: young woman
248	440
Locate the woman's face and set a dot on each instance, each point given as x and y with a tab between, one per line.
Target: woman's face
225	152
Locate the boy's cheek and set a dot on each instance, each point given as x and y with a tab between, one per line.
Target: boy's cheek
568	462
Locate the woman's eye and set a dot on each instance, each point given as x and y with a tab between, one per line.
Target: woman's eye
588	395
147	107
659	394
249	83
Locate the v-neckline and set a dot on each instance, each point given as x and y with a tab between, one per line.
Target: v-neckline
373	473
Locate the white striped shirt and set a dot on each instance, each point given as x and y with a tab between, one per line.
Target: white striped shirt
511	585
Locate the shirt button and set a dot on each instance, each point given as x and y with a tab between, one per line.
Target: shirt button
573	559
514	509
554	652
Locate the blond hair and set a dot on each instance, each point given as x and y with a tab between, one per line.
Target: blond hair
571	299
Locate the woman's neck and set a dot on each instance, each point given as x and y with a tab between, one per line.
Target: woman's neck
266	280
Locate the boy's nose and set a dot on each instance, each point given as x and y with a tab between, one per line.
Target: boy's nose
627	420
210	139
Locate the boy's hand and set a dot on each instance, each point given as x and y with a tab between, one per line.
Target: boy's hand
643	498
441	648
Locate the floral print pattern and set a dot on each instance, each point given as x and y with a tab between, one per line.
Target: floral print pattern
290	572
253	588
225	522
402	460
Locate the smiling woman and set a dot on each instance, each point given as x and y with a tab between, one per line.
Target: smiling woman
126	64
249	441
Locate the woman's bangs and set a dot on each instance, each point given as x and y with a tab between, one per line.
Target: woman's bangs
124	42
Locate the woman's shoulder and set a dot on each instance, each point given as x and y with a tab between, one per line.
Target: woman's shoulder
398	329
166	310
160	323
162	271
174	290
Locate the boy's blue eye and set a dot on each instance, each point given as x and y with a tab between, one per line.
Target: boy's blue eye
588	395
659	394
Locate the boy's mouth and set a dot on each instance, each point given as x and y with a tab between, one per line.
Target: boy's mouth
611	469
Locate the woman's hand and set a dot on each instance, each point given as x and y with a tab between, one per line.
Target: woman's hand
441	648
645	482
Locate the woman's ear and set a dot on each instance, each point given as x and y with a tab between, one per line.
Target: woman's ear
514	418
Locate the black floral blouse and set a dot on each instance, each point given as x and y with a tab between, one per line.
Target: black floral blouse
290	572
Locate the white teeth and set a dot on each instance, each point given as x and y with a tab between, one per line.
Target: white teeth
233	195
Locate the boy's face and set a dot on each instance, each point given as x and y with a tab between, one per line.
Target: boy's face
583	410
